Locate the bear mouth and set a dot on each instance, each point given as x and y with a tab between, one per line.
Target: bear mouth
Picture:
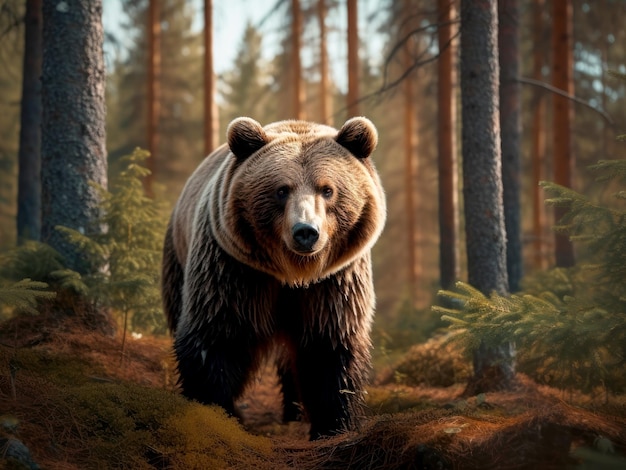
304	254
304	251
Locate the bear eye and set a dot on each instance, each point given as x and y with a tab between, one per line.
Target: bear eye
282	193
327	192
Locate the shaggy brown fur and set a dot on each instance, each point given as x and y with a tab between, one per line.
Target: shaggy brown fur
269	245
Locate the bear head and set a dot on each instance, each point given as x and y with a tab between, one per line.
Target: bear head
299	200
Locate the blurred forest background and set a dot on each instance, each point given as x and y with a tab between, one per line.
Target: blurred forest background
476	137
298	59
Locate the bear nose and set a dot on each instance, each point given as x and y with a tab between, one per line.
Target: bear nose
305	235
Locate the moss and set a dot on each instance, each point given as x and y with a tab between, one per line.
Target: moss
97	423
435	363
204	437
382	400
114	424
58	367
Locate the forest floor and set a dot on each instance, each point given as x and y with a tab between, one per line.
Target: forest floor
69	399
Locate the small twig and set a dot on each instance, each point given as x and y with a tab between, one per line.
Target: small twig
557	91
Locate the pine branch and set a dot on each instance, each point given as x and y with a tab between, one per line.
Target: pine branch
24	295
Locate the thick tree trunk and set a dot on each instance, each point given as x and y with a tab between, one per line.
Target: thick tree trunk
510	123
73	124
29	180
482	179
353	59
446	139
562	115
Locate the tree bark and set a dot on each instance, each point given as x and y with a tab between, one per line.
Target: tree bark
29	179
211	121
154	90
446	141
562	115
298	89
510	123
353	59
494	368
325	94
73	125
538	139
410	167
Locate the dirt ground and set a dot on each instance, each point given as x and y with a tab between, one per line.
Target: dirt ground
403	427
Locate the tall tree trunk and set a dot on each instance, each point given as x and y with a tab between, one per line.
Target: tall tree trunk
446	141
562	113
538	139
353	59
211	121
29	179
154	89
494	367
410	164
510	123
298	89
325	93
73	153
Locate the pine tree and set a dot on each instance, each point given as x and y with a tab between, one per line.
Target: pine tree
73	123
130	248
485	235
569	324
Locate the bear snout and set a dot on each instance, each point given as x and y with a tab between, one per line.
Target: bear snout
305	236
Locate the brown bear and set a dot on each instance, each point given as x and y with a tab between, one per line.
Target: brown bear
268	249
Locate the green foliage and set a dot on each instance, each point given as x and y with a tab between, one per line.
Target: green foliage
570	324
42	263
23	277
130	249
24	295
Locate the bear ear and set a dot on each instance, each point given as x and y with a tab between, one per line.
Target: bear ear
245	136
359	136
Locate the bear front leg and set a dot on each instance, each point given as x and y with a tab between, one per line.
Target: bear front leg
214	372
332	387
224	321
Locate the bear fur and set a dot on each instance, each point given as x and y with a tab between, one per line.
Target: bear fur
268	249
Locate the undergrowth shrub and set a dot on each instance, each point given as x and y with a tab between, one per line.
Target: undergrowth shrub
129	249
569	325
